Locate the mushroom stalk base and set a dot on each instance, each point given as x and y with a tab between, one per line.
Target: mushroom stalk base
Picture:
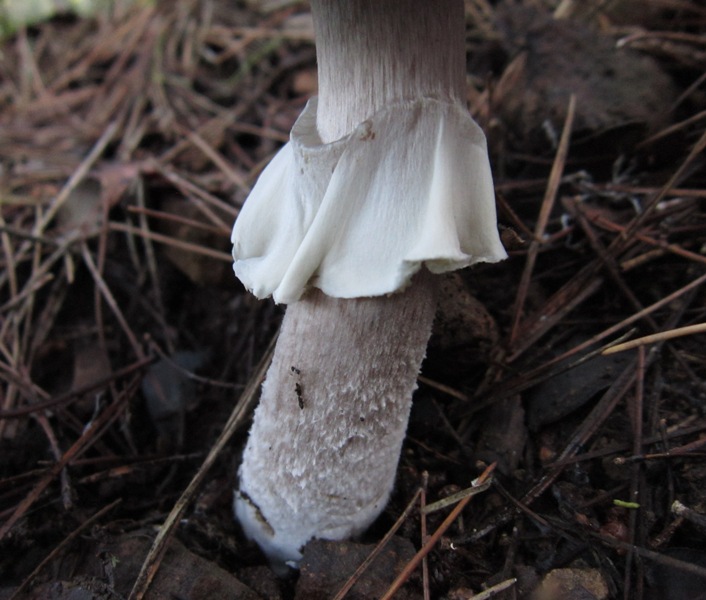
323	450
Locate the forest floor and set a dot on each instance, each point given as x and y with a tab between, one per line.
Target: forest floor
130	357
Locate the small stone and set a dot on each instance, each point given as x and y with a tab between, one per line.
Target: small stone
327	566
572	584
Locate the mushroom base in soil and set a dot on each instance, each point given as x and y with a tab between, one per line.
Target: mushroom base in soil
384	184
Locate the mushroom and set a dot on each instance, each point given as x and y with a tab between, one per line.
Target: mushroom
385	183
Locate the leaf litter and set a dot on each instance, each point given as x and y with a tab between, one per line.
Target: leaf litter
128	142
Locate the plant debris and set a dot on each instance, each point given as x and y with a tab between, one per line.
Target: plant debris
129	140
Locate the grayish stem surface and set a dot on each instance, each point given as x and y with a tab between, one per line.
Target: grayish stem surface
324	447
372	53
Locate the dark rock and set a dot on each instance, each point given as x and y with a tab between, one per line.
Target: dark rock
327	566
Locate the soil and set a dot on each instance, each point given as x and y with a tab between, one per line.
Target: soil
130	357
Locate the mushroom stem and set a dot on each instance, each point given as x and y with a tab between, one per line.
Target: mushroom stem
323	450
372	53
324	446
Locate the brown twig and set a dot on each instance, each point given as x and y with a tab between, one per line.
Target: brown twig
97	516
542	220
88	437
381	545
170	241
655	338
435	537
242	408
